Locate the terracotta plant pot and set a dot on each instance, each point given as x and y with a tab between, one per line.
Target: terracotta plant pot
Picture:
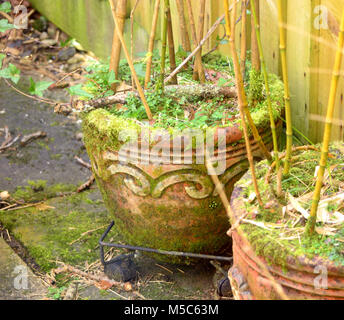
167	206
300	275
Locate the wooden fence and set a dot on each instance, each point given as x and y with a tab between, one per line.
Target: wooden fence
312	32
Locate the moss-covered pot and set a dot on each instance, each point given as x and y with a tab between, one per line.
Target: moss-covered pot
167	206
302	276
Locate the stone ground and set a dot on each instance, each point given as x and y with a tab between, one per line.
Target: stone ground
17	281
66	226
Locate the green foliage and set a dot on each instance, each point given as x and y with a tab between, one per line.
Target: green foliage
56	293
5	7
11	72
37	88
256	87
5	25
218	62
169	111
100	81
78	90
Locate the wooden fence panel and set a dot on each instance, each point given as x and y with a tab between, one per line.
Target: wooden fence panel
311	49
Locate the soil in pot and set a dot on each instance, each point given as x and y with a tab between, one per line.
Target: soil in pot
308	267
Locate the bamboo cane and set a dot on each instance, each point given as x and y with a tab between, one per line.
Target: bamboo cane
243	51
194	52
172	55
241	93
267	86
183	29
132	36
121	10
151	43
253	128
283	48
328	128
160	82
200	34
131	65
254	43
198	59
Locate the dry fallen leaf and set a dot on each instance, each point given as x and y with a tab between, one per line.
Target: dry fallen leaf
104	285
128	286
4	195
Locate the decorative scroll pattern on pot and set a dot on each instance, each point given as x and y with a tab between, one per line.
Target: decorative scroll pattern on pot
142	184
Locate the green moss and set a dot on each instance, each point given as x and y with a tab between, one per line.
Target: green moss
51	235
163	227
43	145
269	243
56	156
38	191
256	87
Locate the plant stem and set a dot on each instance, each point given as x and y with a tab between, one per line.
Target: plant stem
131	65
194	52
200	34
253	128
254	42
243	51
198	59
160	82
328	128
132	36
121	11
241	93
267	86
151	43
183	29
172	55
283	48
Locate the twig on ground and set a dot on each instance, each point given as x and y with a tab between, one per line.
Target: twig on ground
87	233
83	163
87	184
100	280
29	137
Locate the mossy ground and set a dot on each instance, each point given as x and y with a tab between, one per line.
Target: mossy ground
276	244
54	232
48	230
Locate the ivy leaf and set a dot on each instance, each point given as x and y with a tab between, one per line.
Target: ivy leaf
77	90
37	88
4	25
11	72
5	7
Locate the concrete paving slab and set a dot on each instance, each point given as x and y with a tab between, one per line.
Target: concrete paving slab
17	281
